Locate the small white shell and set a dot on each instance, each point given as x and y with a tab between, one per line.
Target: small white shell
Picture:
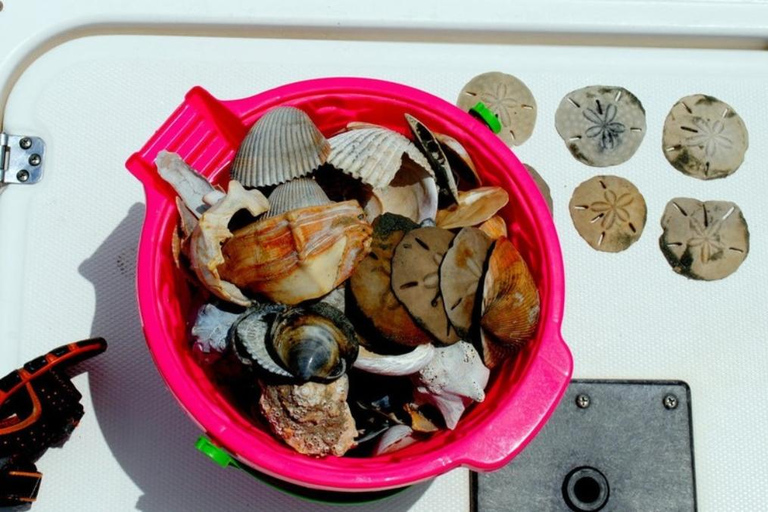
374	155
404	364
394	438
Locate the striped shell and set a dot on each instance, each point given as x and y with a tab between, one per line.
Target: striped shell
374	155
300	255
284	144
298	193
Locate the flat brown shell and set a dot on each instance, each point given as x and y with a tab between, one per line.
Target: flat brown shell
460	275
608	212
704	137
416	279
371	288
510	304
282	145
704	240
507	97
474	207
495	227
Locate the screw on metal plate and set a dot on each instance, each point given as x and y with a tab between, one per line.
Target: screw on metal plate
21	159
670	402
582	401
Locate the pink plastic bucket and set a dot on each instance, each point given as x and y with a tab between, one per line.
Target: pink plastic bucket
522	393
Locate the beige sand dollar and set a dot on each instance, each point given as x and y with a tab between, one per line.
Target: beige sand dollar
608	212
704	240
704	137
601	125
507	97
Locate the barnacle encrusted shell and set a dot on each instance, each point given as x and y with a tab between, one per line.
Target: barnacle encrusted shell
373	155
314	342
371	289
300	255
412	193
282	145
212	230
452	380
312	418
295	194
431	148
474	207
395	365
460	275
510	304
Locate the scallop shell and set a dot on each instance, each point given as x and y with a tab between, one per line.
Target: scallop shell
315	342
510	306
249	334
374	155
431	148
295	194
412	193
395	365
495	227
212	230
283	144
300	255
474	207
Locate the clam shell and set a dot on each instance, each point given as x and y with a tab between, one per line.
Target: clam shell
283	144
474	207
495	228
249	333
412	193
295	194
315	342
395	365
374	155
464	170
510	305
460	275
393	439
370	286
431	148
299	255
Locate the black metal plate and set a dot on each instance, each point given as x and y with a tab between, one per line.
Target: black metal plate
642	446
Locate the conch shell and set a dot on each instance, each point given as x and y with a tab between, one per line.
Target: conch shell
510	306
212	230
300	255
474	207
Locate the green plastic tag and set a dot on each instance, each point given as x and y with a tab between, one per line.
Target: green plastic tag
483	113
217	455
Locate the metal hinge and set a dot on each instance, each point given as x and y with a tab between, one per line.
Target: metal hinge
21	159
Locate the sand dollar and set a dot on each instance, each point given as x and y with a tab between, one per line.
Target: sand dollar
601	125
704	137
608	212
507	97
704	240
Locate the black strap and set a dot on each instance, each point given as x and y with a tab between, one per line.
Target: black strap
19	484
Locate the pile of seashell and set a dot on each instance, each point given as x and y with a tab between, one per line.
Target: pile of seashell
363	285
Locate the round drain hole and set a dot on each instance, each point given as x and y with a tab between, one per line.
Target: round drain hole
585	489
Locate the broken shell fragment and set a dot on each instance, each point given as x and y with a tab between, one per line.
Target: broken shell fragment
371	288
452	380
474	207
300	255
312	418
507	97
704	240
373	155
295	194
431	148
541	184
314	342
460	275
412	193
704	137
495	228
416	280
249	336
212	230
282	145
464	170
211	328
188	183
510	304
393	439
395	365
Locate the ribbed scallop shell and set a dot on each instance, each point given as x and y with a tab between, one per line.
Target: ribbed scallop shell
510	307
300	255
298	193
374	155
284	144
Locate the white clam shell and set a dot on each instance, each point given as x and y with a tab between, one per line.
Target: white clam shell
395	365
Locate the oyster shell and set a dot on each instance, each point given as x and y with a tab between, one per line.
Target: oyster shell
395	365
464	170
315	342
416	280
393	439
427	142
474	207
300	255
312	418
212	230
191	186
460	275
373	155
250	338
295	194
495	227
282	145
510	306
371	289
412	193
452	380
